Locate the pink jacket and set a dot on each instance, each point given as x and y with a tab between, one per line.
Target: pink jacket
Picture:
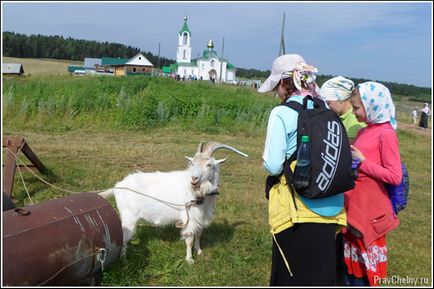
368	205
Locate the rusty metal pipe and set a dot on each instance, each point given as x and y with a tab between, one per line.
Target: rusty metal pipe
67	241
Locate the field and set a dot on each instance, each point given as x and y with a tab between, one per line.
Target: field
34	66
91	132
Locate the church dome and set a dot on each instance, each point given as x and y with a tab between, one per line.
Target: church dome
210	52
210	44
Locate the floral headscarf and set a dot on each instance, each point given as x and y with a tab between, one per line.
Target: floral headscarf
304	76
378	103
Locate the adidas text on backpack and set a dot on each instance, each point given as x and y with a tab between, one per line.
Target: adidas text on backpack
330	150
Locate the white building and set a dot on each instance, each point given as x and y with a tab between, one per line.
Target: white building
207	67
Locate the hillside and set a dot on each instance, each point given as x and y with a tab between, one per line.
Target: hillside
41	66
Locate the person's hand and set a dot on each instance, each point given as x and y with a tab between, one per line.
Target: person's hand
357	153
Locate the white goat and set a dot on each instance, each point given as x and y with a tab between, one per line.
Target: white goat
186	197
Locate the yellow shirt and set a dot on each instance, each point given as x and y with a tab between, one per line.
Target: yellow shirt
351	124
283	214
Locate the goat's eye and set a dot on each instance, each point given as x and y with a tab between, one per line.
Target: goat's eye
208	165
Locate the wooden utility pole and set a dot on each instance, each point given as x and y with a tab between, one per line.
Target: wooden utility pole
221	61
282	40
158	59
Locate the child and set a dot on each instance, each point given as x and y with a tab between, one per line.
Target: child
414	116
336	92
369	211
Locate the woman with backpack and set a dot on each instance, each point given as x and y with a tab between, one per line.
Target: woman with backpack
369	210
303	229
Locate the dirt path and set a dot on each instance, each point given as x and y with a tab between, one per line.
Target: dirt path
427	131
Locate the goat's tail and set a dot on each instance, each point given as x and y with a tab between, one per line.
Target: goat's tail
106	194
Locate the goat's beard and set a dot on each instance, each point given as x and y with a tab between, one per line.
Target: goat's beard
195	188
202	189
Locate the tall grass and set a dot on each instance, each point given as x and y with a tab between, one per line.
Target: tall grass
137	102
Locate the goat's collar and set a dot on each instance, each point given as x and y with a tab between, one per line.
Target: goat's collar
199	200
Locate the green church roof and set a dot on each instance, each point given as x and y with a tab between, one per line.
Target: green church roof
192	63
209	53
185	27
230	66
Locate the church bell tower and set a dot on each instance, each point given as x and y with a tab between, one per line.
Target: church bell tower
183	53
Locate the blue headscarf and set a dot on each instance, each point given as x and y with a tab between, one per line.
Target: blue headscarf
378	103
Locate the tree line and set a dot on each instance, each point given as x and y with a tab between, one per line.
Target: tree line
416	93
58	47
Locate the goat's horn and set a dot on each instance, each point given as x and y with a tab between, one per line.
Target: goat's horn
200	147
213	146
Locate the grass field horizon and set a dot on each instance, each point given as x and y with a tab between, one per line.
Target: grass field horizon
92	132
43	66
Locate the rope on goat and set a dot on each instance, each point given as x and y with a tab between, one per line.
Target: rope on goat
186	205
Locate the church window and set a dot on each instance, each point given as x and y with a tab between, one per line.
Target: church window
212	63
184	55
184	38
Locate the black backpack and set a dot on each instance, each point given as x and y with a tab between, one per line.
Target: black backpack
331	158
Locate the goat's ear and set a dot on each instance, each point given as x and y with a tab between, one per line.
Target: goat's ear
189	158
221	161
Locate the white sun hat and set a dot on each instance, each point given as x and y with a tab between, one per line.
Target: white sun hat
281	64
337	88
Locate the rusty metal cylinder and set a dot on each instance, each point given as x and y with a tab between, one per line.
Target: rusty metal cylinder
66	241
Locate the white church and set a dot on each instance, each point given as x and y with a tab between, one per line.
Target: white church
208	67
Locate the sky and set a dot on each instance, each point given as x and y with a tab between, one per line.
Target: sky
384	41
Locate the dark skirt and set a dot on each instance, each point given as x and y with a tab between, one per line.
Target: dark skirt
423	120
310	249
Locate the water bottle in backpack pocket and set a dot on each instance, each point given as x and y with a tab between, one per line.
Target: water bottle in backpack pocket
302	172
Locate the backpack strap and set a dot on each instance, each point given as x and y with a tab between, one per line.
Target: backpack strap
289	175
294	105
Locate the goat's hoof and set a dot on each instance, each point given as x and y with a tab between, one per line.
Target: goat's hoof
190	260
123	255
199	251
179	225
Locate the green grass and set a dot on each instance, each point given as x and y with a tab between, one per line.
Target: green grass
136	103
95	148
